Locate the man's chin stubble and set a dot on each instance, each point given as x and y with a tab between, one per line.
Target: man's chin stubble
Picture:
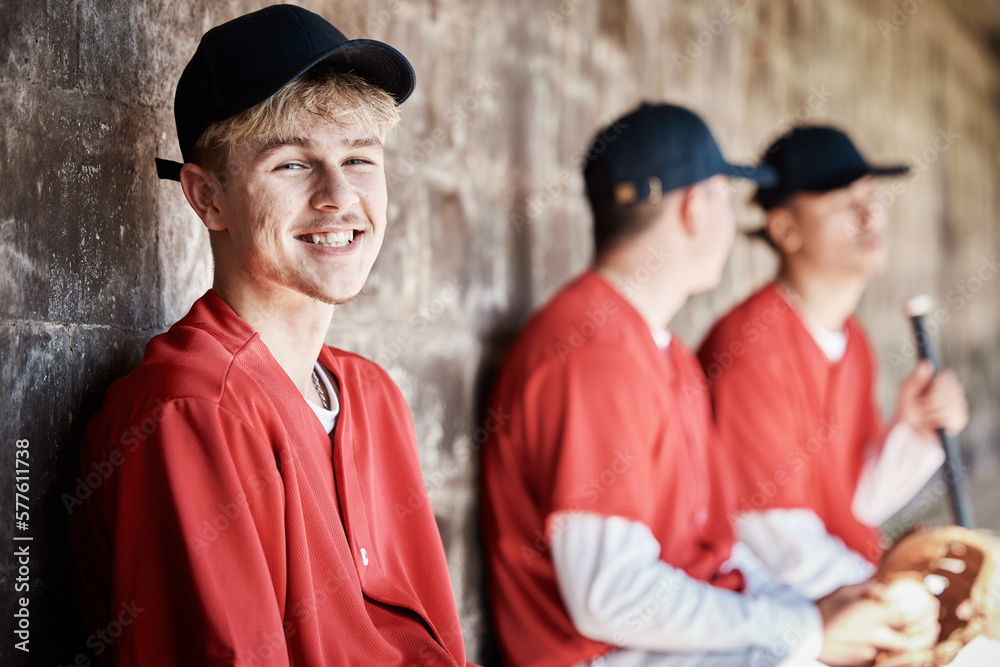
334	301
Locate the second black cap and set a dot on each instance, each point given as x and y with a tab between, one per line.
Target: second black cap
654	149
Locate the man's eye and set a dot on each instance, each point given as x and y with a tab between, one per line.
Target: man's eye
290	166
358	160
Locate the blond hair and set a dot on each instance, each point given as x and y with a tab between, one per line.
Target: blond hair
321	95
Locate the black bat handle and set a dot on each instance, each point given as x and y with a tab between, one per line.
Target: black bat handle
954	468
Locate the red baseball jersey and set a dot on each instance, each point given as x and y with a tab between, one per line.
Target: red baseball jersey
216	523
794	425
593	418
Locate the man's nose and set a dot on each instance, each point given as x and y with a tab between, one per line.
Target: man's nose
333	190
868	210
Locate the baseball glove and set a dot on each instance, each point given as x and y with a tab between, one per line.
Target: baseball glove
956	565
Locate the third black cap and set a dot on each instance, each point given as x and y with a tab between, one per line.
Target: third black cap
815	159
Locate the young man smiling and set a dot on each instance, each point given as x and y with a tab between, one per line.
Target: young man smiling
253	525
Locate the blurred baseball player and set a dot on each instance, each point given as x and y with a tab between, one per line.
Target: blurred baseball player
605	507
792	378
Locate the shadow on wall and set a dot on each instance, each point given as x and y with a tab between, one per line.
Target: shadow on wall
74	373
489	370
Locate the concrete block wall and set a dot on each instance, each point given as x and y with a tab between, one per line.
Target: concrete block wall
486	212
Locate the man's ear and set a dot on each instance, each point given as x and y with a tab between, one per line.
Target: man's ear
203	191
693	208
783	229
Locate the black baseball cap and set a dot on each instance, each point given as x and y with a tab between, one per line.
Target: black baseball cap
815	159
654	149
245	61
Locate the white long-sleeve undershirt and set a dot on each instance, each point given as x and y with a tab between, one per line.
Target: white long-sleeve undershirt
617	590
894	473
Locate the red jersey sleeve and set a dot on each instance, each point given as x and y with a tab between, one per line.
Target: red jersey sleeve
756	416
192	582
594	421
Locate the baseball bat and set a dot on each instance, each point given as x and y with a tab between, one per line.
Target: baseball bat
916	308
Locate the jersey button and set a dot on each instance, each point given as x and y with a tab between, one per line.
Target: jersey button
701	516
364	556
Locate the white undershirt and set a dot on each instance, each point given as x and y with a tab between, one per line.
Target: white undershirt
617	590
893	476
832	343
661	337
795	546
326	417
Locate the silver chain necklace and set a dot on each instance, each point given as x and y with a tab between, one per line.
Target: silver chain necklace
321	390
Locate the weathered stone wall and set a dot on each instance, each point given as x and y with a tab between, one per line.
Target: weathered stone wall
486	214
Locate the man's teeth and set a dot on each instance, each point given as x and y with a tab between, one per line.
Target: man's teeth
332	239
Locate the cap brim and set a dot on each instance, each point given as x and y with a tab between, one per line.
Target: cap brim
769	197
763	174
891	170
845	179
376	62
